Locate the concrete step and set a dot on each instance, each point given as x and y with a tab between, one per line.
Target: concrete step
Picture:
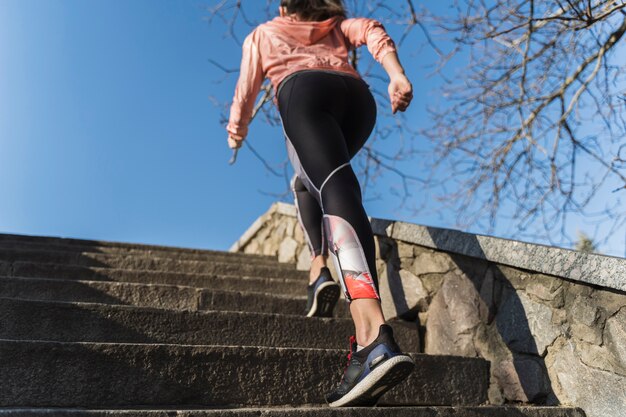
222	265
214	281
89	322
84	245
436	411
100	375
173	297
158	252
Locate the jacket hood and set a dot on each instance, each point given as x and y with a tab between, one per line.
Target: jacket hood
305	32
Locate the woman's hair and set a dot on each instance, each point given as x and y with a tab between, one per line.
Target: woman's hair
315	10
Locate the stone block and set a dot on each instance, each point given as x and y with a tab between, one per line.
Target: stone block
304	258
298	234
526	325
453	315
546	289
405	250
583	311
599	393
522	378
586	333
490	294
615	337
598	357
287	250
280	230
403	294
252	247
432	282
429	263
262	234
291	225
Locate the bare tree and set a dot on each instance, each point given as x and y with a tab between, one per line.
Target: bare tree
532	121
533	127
585	243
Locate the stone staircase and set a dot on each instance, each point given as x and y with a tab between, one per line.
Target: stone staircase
93	328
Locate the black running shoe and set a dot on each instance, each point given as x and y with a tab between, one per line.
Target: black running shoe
322	295
371	372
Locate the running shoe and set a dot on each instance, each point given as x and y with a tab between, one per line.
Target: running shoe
371	372
322	295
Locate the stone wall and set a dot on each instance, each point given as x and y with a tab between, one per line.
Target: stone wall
551	321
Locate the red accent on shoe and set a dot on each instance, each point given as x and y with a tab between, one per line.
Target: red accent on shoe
352	348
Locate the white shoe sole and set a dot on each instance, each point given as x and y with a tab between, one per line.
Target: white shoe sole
327	294
383	378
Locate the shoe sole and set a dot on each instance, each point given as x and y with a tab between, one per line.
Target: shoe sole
324	301
380	380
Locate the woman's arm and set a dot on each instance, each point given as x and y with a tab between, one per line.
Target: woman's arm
364	31
400	88
247	89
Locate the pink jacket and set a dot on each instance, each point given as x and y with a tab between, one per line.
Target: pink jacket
285	45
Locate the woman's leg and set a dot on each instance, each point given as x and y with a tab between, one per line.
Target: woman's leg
310	219
326	120
320	147
322	291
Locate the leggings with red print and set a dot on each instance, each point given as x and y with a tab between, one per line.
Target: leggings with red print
327	117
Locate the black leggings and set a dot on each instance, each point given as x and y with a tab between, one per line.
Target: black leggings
327	117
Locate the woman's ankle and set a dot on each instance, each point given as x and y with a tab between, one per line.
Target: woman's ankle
368	317
317	264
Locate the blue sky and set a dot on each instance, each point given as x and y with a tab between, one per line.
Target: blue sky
107	130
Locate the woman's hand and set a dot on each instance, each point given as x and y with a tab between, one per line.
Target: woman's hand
400	92
234	143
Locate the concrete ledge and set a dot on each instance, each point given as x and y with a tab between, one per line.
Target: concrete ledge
604	271
600	270
278	208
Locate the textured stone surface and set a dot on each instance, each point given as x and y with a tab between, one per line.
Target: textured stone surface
161	259
184	372
522	379
452	316
156	295
529	297
595	269
303	263
402	293
431	263
615	339
598	392
292	285
287	250
69	322
44	373
142	295
239	268
525	325
510	411
12	242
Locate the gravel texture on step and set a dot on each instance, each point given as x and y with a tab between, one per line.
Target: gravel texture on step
175	253
177	297
100	375
285	286
49	242
488	411
83	322
151	263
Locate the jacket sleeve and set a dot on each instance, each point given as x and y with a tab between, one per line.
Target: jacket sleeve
364	31
247	89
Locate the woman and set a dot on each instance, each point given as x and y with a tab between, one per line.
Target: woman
328	112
